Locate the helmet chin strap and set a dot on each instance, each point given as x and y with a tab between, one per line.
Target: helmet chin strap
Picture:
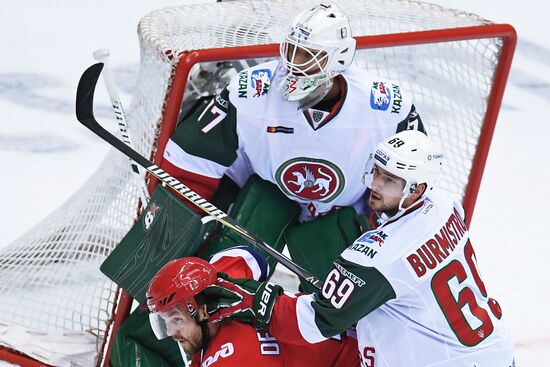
205	333
402	210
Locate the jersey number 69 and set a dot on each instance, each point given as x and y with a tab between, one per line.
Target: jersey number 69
466	299
335	291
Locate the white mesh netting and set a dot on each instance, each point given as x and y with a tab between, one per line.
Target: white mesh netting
449	82
50	278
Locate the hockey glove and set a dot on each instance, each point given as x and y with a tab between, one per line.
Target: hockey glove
242	299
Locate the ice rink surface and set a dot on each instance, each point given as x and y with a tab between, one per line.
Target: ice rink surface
46	156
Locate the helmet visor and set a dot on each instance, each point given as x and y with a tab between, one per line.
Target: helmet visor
168	323
382	182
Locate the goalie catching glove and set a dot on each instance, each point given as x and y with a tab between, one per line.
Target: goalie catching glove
243	299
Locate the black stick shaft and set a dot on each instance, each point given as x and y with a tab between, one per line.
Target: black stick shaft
85	114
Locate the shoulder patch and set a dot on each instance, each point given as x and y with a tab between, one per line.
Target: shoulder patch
374	237
380	96
260	80
369	243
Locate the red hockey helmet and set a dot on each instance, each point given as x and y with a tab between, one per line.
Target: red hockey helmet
178	282
173	291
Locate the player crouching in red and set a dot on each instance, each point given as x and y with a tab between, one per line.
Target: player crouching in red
179	310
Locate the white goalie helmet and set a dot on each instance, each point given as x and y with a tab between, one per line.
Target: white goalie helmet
410	155
323	34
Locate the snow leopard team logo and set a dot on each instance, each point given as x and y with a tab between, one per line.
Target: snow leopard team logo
380	96
310	179
260	81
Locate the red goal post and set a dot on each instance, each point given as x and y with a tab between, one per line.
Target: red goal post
452	63
505	32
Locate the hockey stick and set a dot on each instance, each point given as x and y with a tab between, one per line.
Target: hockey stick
85	114
102	55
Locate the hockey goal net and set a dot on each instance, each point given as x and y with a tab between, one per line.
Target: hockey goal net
56	305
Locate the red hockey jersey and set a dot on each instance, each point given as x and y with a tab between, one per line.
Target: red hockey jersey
241	345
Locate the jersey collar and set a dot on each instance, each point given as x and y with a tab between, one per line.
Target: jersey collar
319	118
413	208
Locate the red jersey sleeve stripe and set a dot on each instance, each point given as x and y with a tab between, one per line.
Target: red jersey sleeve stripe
284	323
202	185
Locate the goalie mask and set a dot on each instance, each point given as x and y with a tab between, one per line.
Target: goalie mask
318	46
408	159
171	295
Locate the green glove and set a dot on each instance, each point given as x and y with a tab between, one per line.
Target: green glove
242	299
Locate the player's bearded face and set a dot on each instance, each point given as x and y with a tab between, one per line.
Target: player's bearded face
386	191
184	329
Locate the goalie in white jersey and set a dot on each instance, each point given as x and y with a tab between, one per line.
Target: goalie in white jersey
412	286
300	122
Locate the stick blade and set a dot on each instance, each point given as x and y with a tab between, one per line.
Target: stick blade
85	93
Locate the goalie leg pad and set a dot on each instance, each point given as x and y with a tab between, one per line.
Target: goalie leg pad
166	230
264	210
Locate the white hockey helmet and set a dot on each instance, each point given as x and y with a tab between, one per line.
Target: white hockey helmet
324	34
410	155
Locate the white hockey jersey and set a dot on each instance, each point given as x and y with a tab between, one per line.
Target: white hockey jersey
414	289
315	157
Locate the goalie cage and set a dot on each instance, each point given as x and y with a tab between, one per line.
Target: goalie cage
59	309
